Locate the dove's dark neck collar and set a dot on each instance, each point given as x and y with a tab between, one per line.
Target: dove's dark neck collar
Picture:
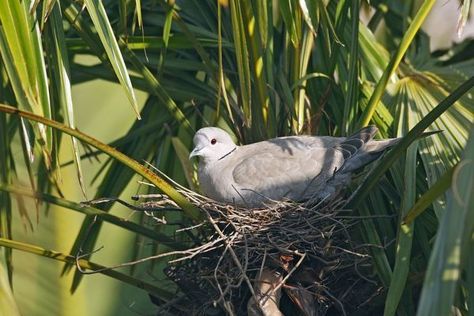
230	152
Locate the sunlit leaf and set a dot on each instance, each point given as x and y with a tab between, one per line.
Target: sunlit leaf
396	59
62	78
104	29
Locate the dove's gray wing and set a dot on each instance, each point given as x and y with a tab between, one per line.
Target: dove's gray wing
304	167
284	170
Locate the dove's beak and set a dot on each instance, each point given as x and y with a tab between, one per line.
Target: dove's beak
196	152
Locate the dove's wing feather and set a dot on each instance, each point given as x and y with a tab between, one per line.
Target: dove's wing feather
288	167
257	174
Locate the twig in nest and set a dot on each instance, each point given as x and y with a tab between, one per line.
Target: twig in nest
227	305
190	253
234	256
144	207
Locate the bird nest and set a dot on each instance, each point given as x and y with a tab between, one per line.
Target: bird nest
295	258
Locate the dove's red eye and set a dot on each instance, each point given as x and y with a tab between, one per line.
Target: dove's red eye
213	141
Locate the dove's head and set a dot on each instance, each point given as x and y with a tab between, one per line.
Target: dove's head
212	144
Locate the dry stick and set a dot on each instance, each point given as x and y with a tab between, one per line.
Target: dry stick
79	254
137	197
351	252
189	228
363	277
348	290
176	184
198	252
227	305
263	263
341	306
145	208
192	252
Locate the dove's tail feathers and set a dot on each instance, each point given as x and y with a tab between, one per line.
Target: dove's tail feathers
360	149
370	150
365	133
352	144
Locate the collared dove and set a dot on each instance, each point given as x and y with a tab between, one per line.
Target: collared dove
295	168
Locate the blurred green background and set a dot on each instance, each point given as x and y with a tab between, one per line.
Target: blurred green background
38	287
